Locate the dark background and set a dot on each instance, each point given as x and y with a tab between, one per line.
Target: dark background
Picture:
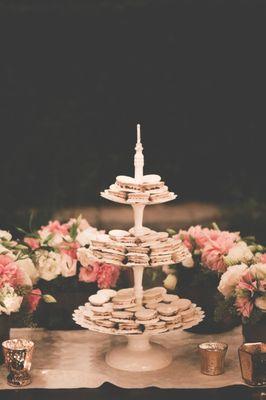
76	77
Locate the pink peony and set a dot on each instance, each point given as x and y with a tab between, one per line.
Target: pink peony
33	299
244	306
107	276
213	252
32	242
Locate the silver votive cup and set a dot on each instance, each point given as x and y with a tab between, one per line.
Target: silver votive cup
18	358
252	358
212	356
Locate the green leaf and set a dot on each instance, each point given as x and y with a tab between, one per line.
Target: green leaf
47	298
215	226
73	231
49	237
171	232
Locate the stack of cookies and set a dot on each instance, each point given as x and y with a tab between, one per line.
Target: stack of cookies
116	312
151	190
151	249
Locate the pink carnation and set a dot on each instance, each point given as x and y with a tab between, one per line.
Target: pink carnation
33	299
202	236
70	248
248	282
10	273
244	306
263	258
32	242
213	252
89	274
56	227
105	275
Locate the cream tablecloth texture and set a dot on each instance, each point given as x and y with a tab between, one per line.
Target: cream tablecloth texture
75	359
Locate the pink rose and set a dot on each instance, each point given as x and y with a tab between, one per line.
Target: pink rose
244	306
32	242
33	299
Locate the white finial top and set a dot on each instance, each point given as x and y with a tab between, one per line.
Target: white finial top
139	158
138	134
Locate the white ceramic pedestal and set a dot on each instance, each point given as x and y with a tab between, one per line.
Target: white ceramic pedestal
138	354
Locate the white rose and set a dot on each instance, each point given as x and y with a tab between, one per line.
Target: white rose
170	282
48	264
188	262
68	265
5	235
10	301
28	267
84	256
260	302
238	254
258	270
230	279
85	237
56	238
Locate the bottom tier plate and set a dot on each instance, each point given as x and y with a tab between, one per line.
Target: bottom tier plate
80	319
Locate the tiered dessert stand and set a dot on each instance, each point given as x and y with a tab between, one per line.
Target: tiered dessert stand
138	353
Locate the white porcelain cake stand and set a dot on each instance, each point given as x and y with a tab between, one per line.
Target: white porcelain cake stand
138	354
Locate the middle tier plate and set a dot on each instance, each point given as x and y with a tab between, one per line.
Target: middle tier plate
124	249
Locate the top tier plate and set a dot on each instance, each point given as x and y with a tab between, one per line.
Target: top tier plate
128	190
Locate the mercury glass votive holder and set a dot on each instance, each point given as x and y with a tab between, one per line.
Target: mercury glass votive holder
18	358
252	358
212	356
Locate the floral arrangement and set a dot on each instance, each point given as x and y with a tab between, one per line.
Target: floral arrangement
61	250
212	249
17	278
244	288
237	266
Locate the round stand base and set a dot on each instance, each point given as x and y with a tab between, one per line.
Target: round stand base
138	355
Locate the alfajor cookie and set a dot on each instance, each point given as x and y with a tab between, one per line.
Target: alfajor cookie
117	234
146	316
153	294
183	304
107	292
98	299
